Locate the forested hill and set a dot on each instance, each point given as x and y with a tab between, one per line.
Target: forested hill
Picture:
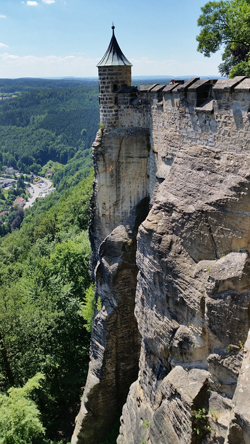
47	124
46	296
43	279
8	87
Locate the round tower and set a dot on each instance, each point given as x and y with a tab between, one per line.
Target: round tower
114	71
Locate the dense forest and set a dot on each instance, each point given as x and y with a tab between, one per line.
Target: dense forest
50	128
46	296
44	277
48	124
17	87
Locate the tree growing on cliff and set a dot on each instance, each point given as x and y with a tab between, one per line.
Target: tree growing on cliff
226	24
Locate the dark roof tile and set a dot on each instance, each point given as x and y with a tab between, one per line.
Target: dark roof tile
114	55
157	88
147	88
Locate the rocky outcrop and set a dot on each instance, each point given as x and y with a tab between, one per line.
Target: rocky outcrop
239	426
117	210
192	305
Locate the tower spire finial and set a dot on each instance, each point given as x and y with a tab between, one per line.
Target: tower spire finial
114	55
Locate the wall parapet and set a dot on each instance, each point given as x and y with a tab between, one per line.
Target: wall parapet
195	91
207	112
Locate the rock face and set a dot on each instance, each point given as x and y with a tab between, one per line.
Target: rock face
117	211
170	233
192	306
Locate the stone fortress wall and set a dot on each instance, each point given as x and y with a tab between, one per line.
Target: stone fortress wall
206	112
111	80
172	274
213	113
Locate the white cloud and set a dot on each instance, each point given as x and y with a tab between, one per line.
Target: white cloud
3	16
2	45
14	66
49	2
32	3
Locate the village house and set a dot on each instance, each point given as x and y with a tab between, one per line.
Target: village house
19	202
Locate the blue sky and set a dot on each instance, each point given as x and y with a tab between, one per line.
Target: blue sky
57	38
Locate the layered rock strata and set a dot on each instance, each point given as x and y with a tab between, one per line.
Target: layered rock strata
172	334
119	205
192	306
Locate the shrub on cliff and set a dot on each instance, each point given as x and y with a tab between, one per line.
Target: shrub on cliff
87	310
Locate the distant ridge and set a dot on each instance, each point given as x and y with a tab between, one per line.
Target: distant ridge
91	79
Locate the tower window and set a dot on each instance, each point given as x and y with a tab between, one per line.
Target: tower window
115	87
116	100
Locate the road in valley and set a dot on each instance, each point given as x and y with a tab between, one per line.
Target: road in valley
44	186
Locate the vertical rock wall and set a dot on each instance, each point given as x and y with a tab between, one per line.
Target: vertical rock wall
174	281
192	305
120	203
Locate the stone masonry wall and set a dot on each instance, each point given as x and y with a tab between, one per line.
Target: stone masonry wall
111	79
176	121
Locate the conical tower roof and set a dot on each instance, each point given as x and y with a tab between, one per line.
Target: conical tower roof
114	55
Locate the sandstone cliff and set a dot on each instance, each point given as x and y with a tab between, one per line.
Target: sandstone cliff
173	275
192	306
119	204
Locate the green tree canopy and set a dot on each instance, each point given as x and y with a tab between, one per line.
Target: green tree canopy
43	280
19	416
226	24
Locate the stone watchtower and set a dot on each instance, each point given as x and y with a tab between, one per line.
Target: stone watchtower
114	72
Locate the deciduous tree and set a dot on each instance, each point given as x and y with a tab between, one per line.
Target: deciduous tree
226	24
19	416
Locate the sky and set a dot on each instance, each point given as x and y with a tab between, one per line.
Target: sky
61	38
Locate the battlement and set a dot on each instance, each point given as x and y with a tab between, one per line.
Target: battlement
197	92
212	113
134	106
